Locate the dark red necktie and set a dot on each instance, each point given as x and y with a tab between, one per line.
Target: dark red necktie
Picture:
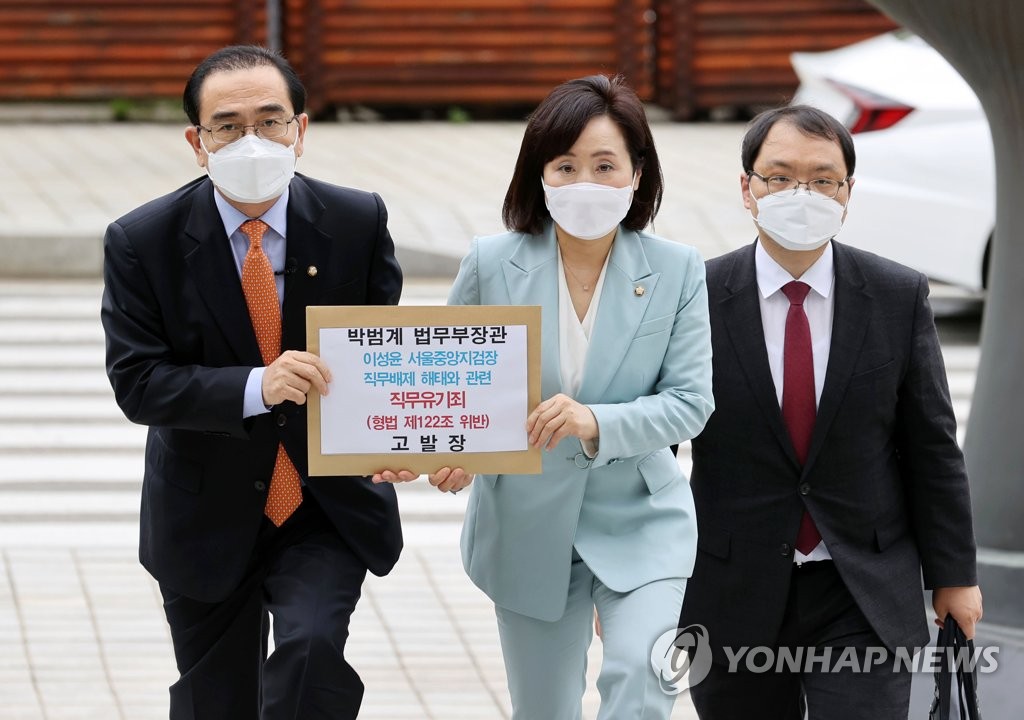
798	404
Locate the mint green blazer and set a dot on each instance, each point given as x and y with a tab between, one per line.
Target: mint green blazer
628	512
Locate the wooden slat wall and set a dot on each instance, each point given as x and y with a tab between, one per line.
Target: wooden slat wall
735	53
688	55
105	49
410	52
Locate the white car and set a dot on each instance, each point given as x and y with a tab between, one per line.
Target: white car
925	175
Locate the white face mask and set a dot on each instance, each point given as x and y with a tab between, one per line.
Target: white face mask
587	211
251	169
800	221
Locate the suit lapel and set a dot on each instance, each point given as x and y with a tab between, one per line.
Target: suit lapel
619	313
306	246
850	314
741	318
531	277
208	256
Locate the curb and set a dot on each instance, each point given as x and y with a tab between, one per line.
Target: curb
67	256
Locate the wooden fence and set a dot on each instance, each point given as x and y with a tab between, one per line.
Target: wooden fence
401	52
687	55
106	49
735	53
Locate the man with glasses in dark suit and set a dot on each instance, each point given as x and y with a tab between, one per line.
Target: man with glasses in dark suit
829	476
204	313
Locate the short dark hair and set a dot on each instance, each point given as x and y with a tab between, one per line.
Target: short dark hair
241	57
554	127
808	120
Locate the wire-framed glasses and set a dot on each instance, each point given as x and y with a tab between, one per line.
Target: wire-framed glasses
785	185
268	128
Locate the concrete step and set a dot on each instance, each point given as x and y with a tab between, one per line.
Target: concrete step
961	357
71	506
42	503
65	436
41	308
86	356
961	410
89	466
22	332
106	488
70	469
961	384
29	287
57	408
54	381
418	502
125	534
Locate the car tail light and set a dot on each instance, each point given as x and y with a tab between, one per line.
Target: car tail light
872	111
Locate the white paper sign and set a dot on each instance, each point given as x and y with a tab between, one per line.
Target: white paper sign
430	389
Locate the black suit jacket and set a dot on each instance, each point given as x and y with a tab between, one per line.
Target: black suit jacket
884	479
180	347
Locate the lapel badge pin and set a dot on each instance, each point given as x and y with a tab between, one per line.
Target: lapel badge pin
638	290
311	271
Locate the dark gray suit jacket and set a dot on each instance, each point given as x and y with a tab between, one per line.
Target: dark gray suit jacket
180	346
884	480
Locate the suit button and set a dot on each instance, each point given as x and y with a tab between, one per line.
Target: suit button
785	550
805	489
260	485
282	420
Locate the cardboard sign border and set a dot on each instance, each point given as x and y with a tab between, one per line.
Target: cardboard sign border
335	316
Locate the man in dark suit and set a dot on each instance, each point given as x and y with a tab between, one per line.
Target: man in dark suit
204	313
829	476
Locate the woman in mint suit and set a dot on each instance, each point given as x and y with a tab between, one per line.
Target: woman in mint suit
626	372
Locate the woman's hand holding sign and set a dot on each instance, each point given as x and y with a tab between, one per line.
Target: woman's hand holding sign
560	417
391	476
450	479
446	479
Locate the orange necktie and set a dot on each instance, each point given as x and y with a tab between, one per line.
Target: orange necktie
265	313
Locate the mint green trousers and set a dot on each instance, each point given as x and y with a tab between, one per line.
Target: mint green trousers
546	662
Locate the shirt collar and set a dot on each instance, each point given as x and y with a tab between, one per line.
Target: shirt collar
771	276
276	217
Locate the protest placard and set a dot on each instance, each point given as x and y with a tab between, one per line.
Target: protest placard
419	388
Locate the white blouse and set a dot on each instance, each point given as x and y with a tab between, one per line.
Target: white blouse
573	335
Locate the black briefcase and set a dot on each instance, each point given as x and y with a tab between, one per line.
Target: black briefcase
957	661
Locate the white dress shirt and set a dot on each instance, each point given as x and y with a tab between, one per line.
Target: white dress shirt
574	338
818	307
274	247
